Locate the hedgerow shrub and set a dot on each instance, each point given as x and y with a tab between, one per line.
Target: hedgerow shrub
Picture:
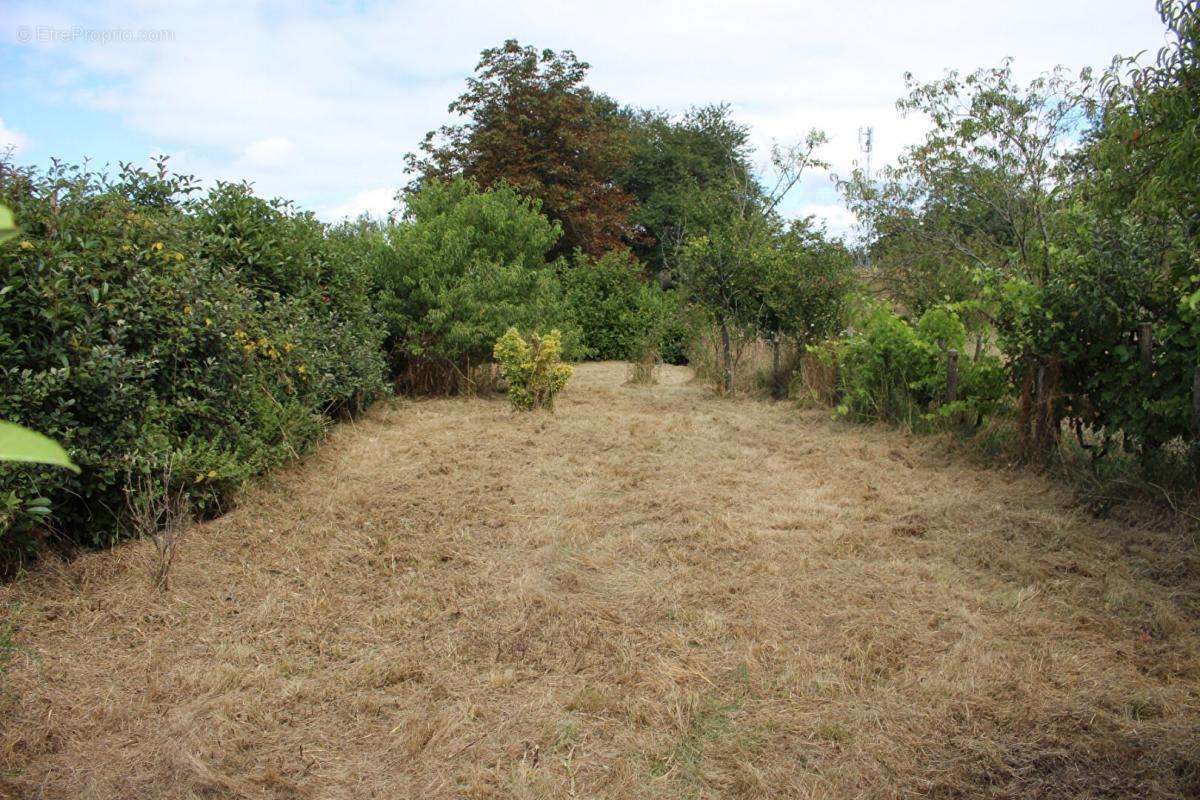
532	367
461	267
601	295
142	324
664	317
617	309
892	370
292	258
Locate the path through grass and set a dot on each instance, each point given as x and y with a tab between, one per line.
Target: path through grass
652	593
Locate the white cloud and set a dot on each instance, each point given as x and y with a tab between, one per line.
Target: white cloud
378	203
274	151
10	139
355	86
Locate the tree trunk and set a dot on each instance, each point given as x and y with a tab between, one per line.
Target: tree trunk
776	378
726	358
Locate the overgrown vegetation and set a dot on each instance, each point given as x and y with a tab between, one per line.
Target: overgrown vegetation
1033	259
620	312
656	592
1060	218
143	321
459	269
892	370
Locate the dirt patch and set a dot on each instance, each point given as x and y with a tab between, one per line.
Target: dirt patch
652	593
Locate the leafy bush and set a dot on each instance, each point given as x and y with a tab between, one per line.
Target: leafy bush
1125	255
663	317
617	309
17	443
601	294
141	324
292	258
891	370
533	368
461	267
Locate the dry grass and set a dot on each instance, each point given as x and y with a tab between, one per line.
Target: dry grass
652	593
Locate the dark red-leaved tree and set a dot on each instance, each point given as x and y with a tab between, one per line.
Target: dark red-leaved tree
531	122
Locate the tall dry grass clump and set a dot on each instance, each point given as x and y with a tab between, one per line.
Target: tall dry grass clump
158	509
645	361
815	381
760	367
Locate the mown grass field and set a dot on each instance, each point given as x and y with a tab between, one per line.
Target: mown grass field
654	592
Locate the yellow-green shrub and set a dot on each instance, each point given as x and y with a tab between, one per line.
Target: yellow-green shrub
533	368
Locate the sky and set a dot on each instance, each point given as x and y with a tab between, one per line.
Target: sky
318	101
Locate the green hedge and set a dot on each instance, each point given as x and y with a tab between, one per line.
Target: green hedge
616	308
143	322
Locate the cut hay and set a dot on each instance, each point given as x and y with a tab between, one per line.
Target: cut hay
653	593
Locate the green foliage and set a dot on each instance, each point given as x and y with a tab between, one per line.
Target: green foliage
461	267
673	161
979	192
20	444
291	258
664	321
804	278
140	323
602	295
892	370
619	311
1129	254
532	367
17	443
1122	253
941	326
8	226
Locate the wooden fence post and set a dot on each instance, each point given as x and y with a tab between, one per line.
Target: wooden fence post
1196	404
1195	448
1146	346
951	375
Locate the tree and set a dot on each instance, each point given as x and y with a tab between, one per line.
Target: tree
722	269
671	162
533	124
1126	256
461	268
803	285
980	191
1146	152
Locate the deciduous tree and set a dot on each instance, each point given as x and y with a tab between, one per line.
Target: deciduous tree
531	122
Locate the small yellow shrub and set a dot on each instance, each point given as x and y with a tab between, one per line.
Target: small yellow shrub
533	368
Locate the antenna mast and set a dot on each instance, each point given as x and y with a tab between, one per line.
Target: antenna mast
866	143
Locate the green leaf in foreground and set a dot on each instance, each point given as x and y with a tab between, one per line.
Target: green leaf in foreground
8	226
21	444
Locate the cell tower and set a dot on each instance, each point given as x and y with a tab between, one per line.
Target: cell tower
866	143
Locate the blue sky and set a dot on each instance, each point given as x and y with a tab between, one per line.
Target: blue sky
319	101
